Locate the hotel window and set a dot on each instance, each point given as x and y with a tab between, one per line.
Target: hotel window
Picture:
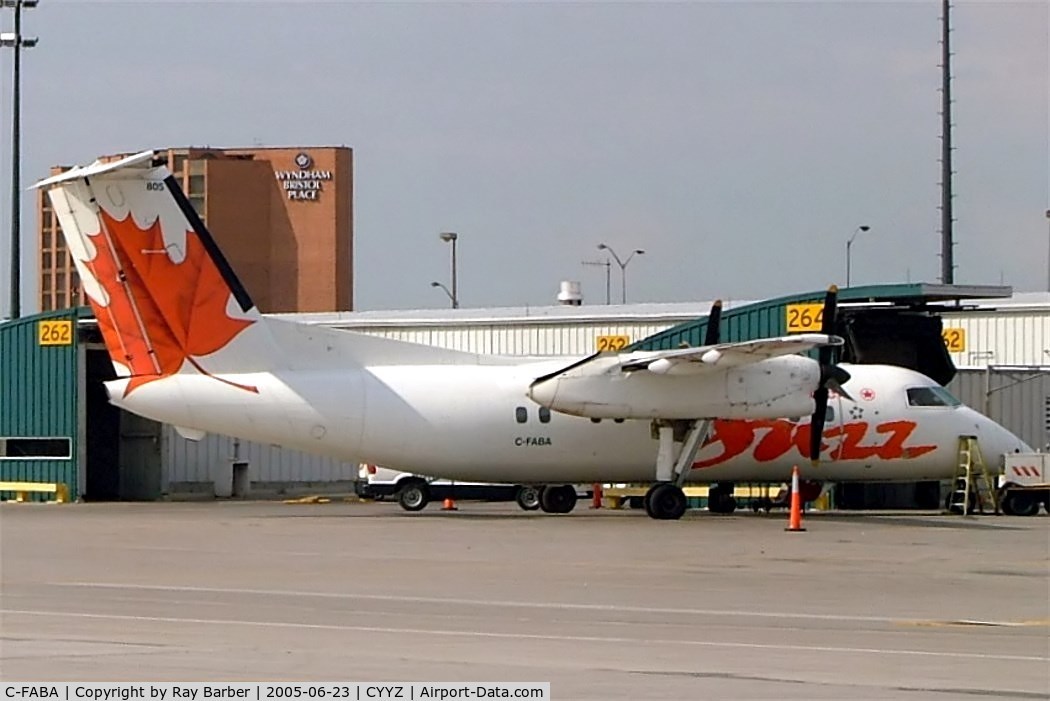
197	202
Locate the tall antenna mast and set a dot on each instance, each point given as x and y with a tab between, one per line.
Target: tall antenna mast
947	257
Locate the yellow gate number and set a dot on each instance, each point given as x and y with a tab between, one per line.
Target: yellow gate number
54	333
954	339
804	317
611	343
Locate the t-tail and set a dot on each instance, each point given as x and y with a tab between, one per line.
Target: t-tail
166	299
189	346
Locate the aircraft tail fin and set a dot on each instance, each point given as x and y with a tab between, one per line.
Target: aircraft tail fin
166	299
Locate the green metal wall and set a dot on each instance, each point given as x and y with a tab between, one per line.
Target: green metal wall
768	318
38	398
760	320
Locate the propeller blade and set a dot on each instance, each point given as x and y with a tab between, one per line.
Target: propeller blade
714	324
827	324
829	374
816	424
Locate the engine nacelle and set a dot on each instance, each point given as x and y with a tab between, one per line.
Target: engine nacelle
772	388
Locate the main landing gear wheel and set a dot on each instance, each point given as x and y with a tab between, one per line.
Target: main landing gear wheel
560	499
665	501
528	497
720	499
414	496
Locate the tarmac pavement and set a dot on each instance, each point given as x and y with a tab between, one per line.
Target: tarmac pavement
602	604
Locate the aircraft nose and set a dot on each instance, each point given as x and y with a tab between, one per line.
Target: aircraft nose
996	441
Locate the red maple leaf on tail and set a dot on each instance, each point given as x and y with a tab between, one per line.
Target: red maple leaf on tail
160	313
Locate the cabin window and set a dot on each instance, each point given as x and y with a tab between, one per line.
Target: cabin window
521	414
931	396
545	415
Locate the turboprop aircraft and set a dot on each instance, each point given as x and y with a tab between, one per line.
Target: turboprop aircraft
191	349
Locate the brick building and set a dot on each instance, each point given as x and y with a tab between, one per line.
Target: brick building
282	216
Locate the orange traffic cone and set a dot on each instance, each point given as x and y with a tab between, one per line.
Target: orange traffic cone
450	505
795	521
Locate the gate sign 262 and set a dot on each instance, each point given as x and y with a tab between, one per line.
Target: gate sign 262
954	338
612	343
54	333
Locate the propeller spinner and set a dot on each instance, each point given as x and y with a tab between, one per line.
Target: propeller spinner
831	375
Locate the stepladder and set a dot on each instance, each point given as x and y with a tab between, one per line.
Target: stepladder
973	485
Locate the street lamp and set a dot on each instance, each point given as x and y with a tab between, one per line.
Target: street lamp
607	265
623	267
16	41
1048	256
849	244
442	286
451	237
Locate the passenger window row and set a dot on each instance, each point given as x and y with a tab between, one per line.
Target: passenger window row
522	415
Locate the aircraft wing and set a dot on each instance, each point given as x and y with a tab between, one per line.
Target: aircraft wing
756	378
723	355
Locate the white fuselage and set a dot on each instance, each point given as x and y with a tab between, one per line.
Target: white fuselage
462	422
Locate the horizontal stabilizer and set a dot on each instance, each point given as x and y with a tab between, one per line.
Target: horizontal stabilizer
190	434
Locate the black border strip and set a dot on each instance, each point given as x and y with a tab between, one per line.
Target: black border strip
239	292
559	371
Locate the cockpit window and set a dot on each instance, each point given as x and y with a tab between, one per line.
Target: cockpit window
931	396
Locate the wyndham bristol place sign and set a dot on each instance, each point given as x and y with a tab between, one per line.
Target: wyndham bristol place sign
305	183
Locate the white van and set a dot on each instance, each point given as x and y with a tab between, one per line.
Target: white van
414	492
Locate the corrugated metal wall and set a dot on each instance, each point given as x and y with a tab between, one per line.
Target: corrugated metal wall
511	338
38	398
194	465
750	321
1002	337
1018	400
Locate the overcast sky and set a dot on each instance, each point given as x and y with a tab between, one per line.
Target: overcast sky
739	143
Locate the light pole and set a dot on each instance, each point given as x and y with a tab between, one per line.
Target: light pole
451	237
442	286
849	244
1048	253
623	267
16	41
608	267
